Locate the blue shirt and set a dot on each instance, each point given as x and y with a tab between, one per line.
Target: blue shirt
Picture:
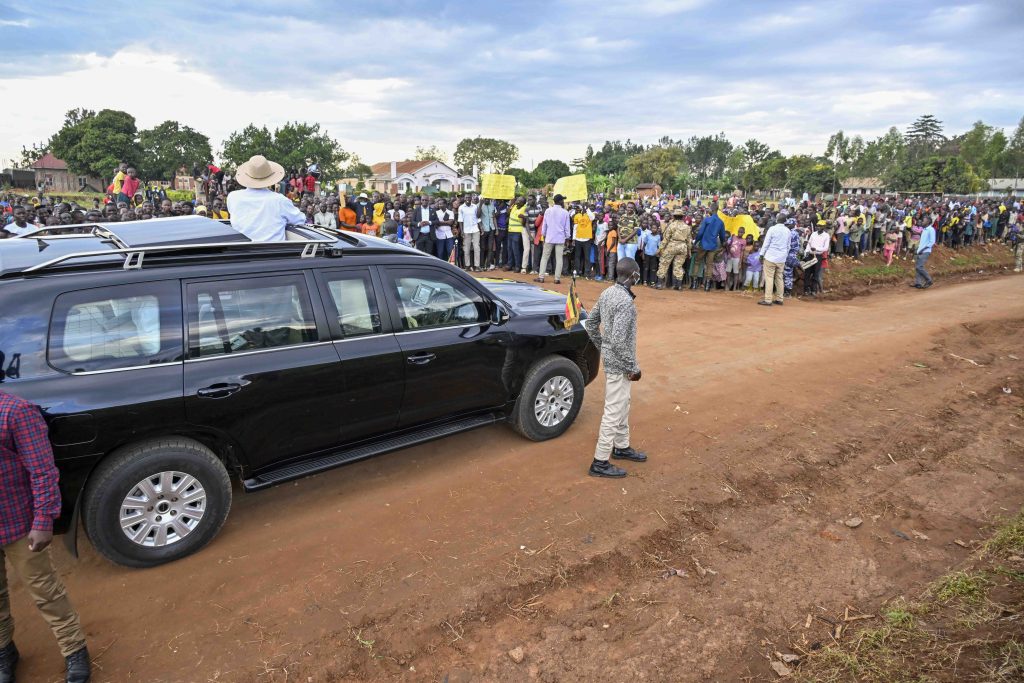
650	243
927	241
711	230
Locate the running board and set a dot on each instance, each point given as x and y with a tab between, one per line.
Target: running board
332	460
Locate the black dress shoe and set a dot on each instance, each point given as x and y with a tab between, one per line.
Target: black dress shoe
628	453
777	303
8	661
915	286
79	670
603	468
926	286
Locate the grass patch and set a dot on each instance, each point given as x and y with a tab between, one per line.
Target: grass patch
954	626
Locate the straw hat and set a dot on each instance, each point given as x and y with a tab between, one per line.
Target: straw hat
259	172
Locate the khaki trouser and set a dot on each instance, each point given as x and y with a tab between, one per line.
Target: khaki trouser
614	432
47	591
559	250
773	279
471	245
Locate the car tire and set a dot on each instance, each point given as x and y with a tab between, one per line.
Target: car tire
126	496
545	409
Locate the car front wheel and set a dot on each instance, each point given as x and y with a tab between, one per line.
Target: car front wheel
550	399
156	501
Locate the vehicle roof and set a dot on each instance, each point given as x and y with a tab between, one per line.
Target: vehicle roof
176	239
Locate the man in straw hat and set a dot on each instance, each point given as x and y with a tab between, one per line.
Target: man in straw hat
258	212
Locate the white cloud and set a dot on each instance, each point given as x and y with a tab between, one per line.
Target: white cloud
19	23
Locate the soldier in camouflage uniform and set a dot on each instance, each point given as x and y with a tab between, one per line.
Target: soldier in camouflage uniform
629	226
675	249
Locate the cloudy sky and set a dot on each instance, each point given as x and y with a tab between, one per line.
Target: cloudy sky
550	76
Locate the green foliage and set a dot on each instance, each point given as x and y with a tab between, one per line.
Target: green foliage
548	171
708	155
806	174
30	155
936	174
658	164
487	154
1009	538
180	195
432	153
94	144
611	159
293	145
169	146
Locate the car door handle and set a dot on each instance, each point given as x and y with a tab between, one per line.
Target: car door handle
221	390
421	358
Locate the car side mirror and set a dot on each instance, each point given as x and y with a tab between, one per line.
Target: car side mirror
499	314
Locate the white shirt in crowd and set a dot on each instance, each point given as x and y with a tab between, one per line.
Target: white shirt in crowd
262	215
818	242
444	231
467	216
776	244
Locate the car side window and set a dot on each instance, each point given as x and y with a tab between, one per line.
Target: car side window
249	314
354	303
433	298
116	327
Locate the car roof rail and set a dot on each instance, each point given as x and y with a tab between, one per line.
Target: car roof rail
135	256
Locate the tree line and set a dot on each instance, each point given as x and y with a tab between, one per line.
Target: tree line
921	159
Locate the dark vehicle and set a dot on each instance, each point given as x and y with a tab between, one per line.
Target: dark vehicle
171	353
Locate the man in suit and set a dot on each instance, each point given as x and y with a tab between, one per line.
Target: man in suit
423	222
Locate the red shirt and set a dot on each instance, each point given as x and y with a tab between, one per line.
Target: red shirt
130	186
29	495
310	184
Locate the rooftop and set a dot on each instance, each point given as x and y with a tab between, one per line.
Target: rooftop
868	183
48	162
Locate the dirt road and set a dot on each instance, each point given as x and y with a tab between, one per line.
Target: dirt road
767	427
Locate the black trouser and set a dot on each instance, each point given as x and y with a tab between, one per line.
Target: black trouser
581	252
425	244
486	248
811	277
854	246
650	269
500	244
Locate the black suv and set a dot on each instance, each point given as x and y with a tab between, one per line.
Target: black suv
169	353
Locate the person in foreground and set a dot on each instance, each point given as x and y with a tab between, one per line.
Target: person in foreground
258	212
612	328
31	501
922	280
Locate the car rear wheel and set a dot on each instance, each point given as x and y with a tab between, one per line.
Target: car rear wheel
156	501
550	399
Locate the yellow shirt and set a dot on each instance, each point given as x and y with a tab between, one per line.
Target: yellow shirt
515	218
118	181
584	226
378	213
220	215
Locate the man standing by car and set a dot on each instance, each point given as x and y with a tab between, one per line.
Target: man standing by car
30	502
258	212
615	312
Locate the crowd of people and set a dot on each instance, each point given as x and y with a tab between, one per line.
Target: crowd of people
676	242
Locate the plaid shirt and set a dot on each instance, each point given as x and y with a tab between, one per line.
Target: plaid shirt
29	495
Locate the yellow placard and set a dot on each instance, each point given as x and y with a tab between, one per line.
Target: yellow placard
496	186
743	220
572	187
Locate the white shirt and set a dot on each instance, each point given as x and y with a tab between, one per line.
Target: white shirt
776	244
467	216
819	243
444	231
262	215
13	228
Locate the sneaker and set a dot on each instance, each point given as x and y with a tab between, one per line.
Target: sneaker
8	662
603	468
598	278
539	279
79	669
523	271
777	303
628	453
557	281
762	302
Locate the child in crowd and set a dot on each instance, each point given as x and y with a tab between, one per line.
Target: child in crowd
734	259
753	278
612	247
718	273
892	243
650	242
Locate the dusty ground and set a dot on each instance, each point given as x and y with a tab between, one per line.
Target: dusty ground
767	428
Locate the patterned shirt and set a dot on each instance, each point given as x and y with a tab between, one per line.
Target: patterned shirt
612	328
29	495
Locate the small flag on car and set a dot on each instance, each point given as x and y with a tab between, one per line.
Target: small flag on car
572	305
451	257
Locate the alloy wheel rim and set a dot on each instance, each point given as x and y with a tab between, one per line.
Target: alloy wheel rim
554	401
162	509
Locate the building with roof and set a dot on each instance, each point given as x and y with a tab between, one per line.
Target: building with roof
1001	187
652	190
396	177
866	185
52	175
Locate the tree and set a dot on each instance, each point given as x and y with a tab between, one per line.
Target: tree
708	155
806	174
432	153
548	171
169	146
358	170
484	154
657	165
611	159
937	174
30	155
924	136
754	152
293	145
94	144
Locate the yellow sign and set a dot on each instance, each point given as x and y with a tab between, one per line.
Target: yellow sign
572	187
743	220
495	186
